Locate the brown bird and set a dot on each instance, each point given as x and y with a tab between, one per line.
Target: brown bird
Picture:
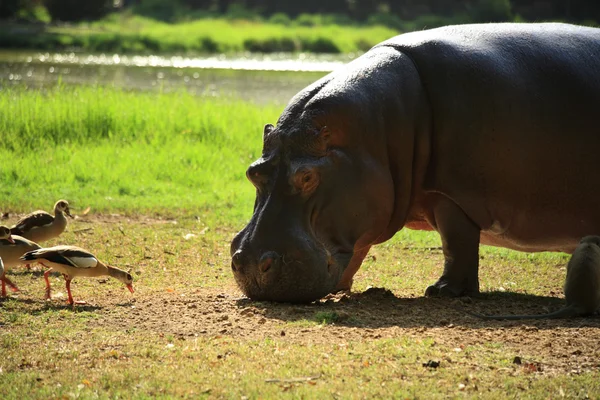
40	226
72	262
12	247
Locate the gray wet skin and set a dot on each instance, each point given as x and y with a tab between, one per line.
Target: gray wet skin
485	133
582	285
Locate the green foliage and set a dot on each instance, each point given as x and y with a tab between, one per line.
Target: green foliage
280	19
385	19
35	13
239	11
320	44
271	45
312	20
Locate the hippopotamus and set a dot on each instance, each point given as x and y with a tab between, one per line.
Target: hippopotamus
486	133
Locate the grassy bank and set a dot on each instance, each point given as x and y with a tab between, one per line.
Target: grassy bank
127	33
114	150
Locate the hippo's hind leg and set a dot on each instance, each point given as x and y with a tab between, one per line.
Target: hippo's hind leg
460	243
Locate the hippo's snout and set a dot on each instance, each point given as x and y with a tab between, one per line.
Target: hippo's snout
269	261
297	275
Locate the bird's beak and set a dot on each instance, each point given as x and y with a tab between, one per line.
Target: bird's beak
68	212
10	239
130	287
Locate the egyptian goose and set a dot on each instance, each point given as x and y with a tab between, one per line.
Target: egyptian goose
12	247
72	262
40	226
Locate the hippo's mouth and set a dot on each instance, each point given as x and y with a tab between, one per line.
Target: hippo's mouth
309	281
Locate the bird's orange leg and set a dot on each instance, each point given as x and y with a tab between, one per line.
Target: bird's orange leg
68	284
46	274
6	281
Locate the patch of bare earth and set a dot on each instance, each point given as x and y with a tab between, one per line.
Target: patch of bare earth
559	346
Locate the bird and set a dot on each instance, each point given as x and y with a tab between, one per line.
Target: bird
12	247
41	226
72	262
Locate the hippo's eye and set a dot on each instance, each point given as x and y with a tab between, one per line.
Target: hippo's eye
306	180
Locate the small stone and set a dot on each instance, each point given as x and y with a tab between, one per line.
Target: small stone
431	364
517	360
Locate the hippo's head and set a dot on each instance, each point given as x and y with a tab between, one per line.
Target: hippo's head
329	184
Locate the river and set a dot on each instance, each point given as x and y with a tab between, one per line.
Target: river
258	78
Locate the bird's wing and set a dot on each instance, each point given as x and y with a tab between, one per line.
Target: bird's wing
68	255
36	218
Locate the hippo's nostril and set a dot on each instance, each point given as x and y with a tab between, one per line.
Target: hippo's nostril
268	260
236	261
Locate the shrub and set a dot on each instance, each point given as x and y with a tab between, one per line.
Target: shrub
239	11
319	45
208	45
271	45
280	19
385	19
308	20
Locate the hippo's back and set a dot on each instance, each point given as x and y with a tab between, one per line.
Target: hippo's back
516	127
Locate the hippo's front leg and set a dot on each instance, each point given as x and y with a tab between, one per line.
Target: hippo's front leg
460	243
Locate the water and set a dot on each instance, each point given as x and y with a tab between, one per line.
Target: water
259	78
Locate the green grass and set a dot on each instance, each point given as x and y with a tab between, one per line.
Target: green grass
119	151
174	164
127	33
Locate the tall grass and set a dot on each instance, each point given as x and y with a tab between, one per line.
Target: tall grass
128	151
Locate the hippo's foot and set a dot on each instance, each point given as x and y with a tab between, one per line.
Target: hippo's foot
443	288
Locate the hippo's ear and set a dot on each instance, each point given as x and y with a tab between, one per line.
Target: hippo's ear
323	137
268	129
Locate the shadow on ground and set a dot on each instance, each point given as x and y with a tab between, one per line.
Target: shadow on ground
379	308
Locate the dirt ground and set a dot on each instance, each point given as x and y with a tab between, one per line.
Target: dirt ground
560	346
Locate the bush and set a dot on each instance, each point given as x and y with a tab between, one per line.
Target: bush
319	45
280	19
77	10
271	45
239	11
208	45
308	20
385	19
